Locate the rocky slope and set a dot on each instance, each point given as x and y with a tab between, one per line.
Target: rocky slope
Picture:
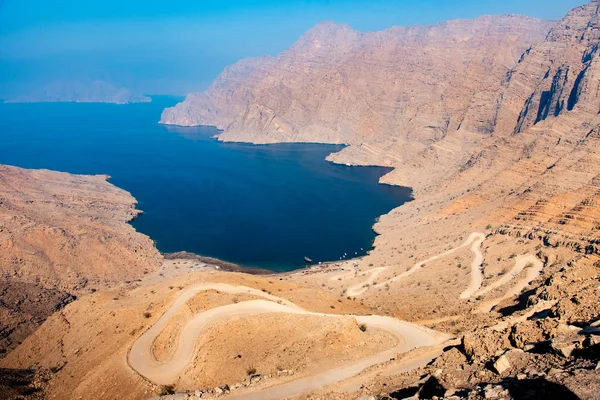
62	235
555	76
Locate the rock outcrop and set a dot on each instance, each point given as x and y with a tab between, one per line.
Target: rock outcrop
557	75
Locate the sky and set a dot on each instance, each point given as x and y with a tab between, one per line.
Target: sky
179	46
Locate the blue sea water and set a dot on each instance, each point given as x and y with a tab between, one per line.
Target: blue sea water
259	206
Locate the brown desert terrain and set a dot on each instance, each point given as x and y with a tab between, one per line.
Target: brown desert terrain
486	286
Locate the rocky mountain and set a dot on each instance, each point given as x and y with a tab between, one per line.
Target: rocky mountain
82	92
555	76
392	92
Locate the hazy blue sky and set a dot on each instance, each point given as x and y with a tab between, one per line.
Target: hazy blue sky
177	46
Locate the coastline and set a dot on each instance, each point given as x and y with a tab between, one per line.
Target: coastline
223	265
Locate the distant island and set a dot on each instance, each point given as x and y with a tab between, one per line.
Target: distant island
82	92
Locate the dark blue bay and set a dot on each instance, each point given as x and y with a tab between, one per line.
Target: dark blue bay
263	206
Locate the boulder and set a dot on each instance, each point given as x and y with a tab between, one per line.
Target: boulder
255	379
482	344
495	392
431	389
506	361
502	364
564	349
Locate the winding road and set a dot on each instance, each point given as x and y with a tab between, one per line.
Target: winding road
525	261
475	240
141	357
409	336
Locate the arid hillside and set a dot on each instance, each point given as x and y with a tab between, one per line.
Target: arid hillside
62	235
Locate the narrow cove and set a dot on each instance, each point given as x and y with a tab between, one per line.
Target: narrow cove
258	206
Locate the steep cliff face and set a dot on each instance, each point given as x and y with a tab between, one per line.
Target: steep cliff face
557	75
337	85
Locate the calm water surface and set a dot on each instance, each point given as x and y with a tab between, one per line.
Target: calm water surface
263	206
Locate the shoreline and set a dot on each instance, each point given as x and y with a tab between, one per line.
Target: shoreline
223	265
233	267
227	266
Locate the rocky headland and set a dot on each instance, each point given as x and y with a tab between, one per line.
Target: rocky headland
81	92
62	236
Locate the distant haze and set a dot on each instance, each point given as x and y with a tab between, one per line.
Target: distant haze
174	47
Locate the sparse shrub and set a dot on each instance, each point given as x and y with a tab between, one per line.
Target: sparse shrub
479	298
362	327
251	371
166	390
489	226
147	314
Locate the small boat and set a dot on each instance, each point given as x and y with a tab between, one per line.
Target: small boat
308	260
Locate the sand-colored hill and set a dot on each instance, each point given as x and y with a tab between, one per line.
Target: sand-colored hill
86	344
61	236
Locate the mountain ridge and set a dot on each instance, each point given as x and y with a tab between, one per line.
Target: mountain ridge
389	95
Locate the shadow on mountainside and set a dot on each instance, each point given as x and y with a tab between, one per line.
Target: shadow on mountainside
19	384
521	304
426	389
534	389
511	388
